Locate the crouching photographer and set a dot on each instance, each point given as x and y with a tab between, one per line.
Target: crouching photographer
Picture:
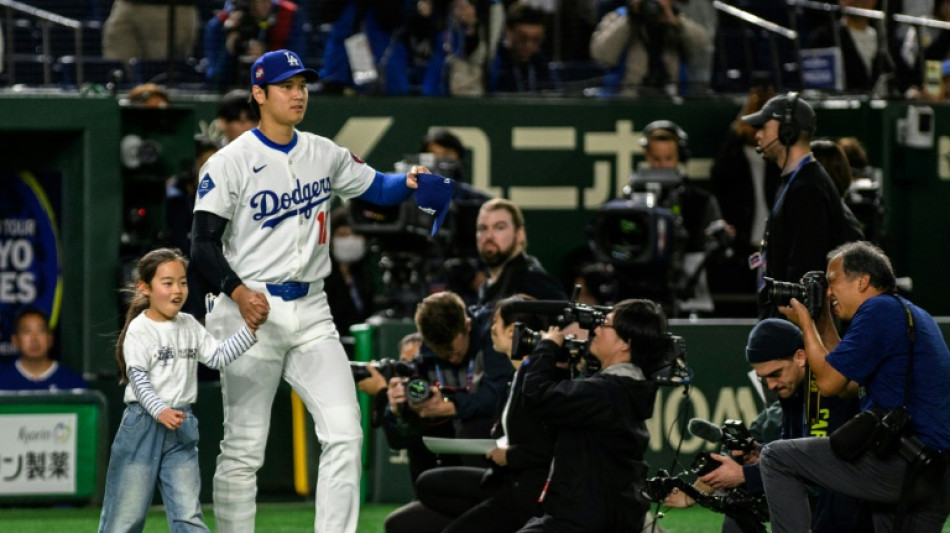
776	351
894	452
598	468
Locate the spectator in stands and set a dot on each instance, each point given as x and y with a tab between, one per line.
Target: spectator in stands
745	185
365	51
148	95
455	40
243	31
519	65
139	29
644	43
349	288
235	115
35	370
862	58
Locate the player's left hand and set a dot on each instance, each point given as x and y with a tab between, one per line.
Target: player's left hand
412	178
728	475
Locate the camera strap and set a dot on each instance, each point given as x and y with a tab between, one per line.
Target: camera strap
913	468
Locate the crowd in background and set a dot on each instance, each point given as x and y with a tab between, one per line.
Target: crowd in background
475	47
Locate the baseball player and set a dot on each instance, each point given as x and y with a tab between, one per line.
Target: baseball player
260	233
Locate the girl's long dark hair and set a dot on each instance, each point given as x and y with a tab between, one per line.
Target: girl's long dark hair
144	272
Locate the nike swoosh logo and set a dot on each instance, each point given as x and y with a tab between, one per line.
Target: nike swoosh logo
258	169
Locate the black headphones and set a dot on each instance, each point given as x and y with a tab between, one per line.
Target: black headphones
682	139
789	129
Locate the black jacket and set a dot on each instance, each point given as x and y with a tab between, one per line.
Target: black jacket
807	224
522	274
598	466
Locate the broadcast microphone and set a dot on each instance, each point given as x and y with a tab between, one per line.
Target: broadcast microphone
760	149
705	430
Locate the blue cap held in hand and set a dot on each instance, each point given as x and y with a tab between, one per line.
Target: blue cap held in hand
434	196
277	66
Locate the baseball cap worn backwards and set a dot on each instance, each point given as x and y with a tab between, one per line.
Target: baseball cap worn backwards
433	196
803	116
277	66
773	338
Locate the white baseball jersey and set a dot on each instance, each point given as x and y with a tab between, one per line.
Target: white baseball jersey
278	201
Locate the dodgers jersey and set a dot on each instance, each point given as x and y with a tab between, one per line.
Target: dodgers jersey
277	198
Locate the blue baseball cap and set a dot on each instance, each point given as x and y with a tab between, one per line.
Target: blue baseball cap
277	66
434	196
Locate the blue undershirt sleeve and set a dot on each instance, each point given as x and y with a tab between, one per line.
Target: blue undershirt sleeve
387	189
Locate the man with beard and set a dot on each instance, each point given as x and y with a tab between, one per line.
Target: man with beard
501	240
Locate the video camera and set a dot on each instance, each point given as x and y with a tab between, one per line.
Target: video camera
749	511
670	369
732	435
810	292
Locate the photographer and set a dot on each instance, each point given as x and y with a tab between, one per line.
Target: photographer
887	336
502	497
643	43
243	31
460	379
776	352
598	469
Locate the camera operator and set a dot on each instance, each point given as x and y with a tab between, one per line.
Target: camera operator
776	352
894	354
243	31
502	497
598	469
807	218
643	43
460	379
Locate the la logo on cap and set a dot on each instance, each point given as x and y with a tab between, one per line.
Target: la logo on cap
259	73
292	60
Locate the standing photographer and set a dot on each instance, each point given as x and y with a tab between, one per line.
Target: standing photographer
887	336
598	469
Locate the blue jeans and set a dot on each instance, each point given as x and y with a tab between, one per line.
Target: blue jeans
146	453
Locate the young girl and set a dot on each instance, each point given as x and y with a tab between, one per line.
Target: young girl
157	442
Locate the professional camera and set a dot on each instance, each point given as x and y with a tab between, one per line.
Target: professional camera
525	340
389	368
750	512
810	292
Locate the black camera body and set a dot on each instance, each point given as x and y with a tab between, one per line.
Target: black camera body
671	370
749	511
389	368
810	292
736	437
524	340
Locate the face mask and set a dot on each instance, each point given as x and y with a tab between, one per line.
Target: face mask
349	249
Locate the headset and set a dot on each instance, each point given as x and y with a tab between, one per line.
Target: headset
789	129
682	139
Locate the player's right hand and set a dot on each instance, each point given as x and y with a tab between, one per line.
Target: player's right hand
171	418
